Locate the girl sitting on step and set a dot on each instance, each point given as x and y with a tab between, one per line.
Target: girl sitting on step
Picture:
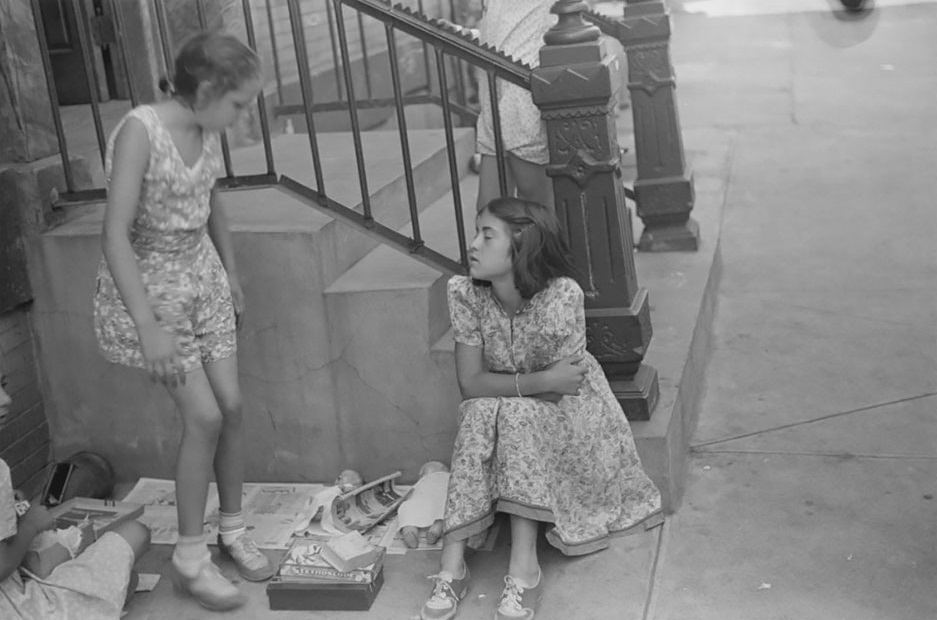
541	436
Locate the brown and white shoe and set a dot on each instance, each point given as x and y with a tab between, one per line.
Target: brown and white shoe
518	602
443	603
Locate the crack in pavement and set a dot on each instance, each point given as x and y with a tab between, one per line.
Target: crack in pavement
842	455
695	447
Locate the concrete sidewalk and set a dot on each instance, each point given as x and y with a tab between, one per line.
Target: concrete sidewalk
813	470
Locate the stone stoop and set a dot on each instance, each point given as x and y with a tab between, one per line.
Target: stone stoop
399	403
288	254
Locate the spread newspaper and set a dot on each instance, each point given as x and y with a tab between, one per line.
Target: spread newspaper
272	510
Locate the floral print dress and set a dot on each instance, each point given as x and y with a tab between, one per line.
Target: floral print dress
574	463
183	276
516	28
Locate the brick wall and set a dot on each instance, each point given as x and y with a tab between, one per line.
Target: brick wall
24	441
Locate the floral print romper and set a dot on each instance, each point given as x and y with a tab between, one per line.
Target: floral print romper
516	28
574	463
182	274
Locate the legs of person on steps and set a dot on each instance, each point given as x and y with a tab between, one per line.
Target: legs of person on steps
488	186
531	181
527	180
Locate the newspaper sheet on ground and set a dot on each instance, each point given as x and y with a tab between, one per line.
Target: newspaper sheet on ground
272	510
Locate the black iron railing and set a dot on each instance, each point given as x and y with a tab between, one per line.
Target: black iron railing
448	57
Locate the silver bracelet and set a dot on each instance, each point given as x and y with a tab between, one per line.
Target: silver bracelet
517	385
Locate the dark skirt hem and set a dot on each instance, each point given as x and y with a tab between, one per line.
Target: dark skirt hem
545	515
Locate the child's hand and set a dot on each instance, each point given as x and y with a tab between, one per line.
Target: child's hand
567	374
162	355
38	518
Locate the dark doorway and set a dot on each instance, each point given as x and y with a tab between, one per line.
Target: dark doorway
60	21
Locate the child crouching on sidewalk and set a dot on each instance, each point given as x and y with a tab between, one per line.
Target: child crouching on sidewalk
92	586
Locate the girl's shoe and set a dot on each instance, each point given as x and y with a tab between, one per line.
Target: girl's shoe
518	603
208	586
443	603
250	562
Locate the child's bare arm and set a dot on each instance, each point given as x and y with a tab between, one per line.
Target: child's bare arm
13	549
131	155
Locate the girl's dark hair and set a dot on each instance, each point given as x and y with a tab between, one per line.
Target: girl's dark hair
539	251
214	57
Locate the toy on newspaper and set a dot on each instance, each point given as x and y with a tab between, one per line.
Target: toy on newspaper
348	480
367	505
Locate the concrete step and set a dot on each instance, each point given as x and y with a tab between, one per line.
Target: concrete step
340	245
385	313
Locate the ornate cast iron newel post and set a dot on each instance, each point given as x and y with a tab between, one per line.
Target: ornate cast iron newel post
664	187
574	88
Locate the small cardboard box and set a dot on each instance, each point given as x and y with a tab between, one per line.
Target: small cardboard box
306	581
323	595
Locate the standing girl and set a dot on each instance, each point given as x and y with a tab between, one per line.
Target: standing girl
515	27
541	436
168	296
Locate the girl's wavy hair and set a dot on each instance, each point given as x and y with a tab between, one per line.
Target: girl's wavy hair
218	58
539	251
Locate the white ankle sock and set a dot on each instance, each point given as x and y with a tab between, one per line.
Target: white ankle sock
190	552
230	526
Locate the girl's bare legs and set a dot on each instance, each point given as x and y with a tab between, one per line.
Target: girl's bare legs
251	563
532	181
201	427
229	455
523	564
453	558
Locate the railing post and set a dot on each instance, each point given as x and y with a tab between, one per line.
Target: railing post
575	88
664	187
